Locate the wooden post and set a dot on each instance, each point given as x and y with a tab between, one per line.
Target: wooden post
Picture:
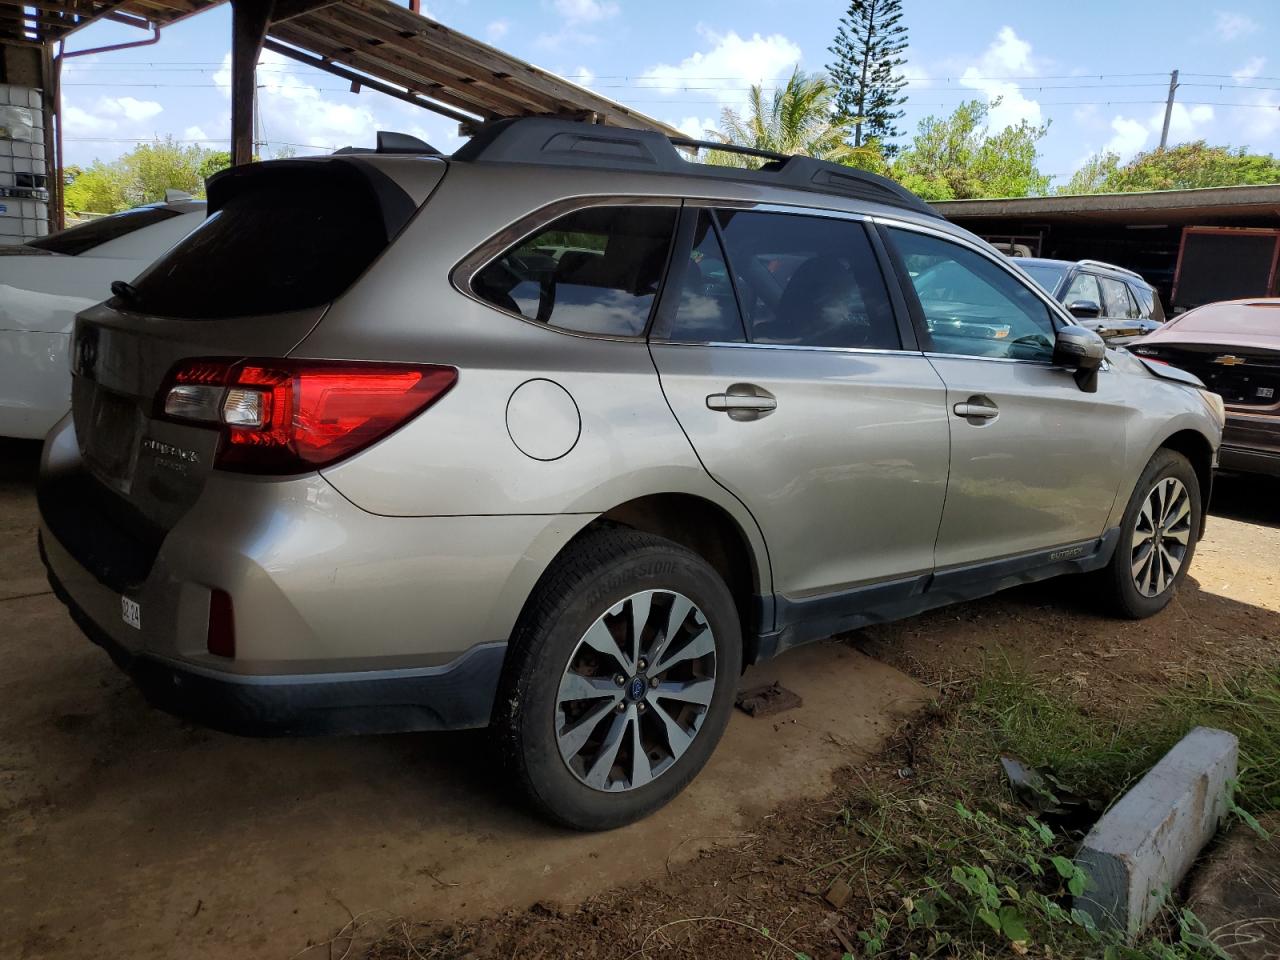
249	22
52	69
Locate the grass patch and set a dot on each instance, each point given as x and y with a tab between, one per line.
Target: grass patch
951	864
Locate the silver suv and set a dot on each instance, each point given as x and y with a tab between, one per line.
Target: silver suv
558	433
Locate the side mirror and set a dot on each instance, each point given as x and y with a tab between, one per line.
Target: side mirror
1081	350
1084	309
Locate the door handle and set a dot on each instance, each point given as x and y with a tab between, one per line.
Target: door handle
743	401
976	411
733	401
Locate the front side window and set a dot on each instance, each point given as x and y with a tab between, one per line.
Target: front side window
808	281
972	307
596	270
1083	287
1116	301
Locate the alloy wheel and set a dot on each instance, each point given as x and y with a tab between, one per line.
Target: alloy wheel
1161	537
635	691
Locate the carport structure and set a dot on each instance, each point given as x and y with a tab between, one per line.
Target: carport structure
375	44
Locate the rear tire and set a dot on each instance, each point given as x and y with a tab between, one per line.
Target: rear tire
1158	537
597	730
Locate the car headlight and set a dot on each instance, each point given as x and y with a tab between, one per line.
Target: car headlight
1214	403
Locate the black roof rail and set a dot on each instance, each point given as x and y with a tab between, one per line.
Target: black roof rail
554	142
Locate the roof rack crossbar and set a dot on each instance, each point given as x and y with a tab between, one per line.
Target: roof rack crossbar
1110	266
729	148
547	141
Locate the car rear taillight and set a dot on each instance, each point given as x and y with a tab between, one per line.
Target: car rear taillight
292	416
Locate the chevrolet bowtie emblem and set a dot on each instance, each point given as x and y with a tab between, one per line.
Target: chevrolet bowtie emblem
1229	360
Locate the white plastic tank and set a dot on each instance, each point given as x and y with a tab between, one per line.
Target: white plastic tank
24	193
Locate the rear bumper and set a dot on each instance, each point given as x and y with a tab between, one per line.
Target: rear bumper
452	696
1251	443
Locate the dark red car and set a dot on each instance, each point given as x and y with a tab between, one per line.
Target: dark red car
1234	347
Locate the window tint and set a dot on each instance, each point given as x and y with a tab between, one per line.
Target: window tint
970	305
1116	301
595	270
1148	306
1083	287
707	310
810	281
284	239
86	236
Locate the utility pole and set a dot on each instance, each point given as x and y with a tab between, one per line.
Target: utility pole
1168	108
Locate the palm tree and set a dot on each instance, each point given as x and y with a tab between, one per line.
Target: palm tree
800	118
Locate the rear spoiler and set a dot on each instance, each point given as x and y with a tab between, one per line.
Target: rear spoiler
345	179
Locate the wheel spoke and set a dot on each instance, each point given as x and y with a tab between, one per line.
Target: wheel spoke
641	771
598	774
698	646
600	639
640	604
1180	513
1181	536
575	686
1142	558
678	739
676	617
572	739
695	691
1173	562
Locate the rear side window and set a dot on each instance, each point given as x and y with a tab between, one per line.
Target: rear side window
808	281
707	309
86	236
596	270
284	239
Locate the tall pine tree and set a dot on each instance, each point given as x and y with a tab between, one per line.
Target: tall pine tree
868	70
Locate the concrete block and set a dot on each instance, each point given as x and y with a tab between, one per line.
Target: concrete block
1144	845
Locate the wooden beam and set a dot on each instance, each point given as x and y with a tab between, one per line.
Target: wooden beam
339	71
249	20
324	44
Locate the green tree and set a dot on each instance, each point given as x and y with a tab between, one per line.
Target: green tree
958	157
1183	167
798	118
1093	174
867	70
215	161
142	176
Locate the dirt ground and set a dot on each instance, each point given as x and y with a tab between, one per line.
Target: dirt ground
126	833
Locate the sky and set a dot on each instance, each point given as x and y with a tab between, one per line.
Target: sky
1097	71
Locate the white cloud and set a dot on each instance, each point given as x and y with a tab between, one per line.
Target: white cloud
728	67
1260	120
1232	26
1131	135
119	115
291	110
583	76
696	128
498	29
1008	56
586	11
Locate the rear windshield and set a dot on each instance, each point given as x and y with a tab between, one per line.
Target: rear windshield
86	236
1047	275
285	239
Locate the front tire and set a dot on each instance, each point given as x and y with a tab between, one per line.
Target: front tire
1158	537
619	680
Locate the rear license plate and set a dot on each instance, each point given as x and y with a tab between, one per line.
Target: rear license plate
131	612
111	442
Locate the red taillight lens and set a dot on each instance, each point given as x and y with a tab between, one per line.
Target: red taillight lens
222	624
291	416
